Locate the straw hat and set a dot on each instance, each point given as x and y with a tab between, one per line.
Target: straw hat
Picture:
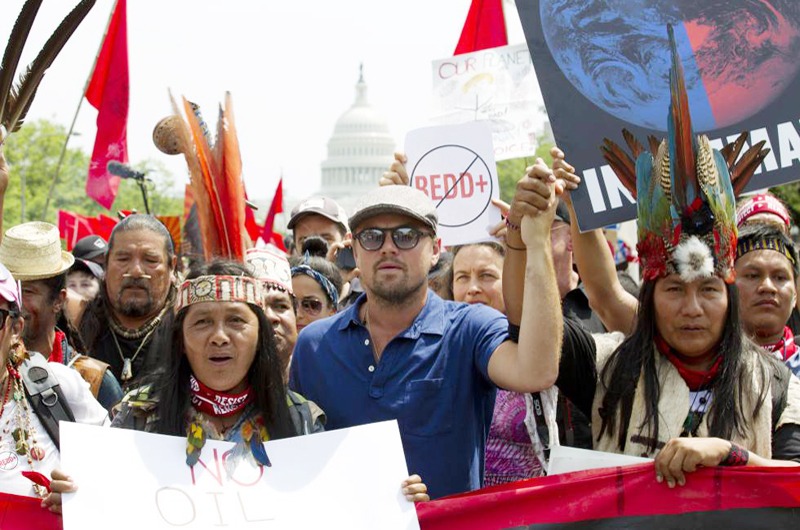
32	251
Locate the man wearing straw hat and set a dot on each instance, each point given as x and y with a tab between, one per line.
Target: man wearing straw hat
32	252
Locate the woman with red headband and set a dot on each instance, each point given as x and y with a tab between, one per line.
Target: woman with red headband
221	378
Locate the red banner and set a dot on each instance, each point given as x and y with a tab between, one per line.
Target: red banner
626	497
26	513
108	93
73	226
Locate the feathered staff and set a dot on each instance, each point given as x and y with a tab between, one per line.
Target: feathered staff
216	175
15	100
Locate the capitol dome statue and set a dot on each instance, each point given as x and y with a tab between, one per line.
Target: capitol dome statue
359	151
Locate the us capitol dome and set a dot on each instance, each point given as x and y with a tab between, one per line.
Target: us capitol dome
359	151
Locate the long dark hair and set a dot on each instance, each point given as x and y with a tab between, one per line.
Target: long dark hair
171	381
636	357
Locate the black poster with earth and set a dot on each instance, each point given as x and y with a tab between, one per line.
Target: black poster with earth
603	65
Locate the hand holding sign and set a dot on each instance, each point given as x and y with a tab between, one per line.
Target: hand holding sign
454	166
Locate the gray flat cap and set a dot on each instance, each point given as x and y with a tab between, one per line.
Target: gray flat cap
403	200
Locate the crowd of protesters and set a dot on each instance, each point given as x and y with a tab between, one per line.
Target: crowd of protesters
488	355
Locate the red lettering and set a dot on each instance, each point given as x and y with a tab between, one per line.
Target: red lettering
422	183
447	70
218	476
450	186
435	186
466	179
482	183
260	471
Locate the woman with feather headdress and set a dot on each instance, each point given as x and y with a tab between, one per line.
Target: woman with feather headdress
686	386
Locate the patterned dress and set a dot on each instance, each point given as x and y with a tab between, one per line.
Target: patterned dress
510	456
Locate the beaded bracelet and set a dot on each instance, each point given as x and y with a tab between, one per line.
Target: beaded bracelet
737	456
512	226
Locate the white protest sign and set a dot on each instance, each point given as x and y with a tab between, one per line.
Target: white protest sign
348	478
497	86
454	165
565	459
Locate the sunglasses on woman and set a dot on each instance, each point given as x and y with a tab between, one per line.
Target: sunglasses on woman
403	237
311	306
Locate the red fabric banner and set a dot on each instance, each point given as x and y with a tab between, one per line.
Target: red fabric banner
485	27
108	93
26	513
73	226
599	495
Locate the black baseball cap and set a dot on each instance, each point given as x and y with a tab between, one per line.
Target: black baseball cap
87	266
90	247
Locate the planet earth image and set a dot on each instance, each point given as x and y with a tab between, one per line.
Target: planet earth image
738	55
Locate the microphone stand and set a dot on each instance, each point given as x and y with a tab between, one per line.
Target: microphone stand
140	182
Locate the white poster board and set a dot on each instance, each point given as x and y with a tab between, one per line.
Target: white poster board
497	86
454	165
348	478
565	459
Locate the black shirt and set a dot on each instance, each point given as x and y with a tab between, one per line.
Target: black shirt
105	350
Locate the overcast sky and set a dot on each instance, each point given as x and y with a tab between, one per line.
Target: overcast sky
291	66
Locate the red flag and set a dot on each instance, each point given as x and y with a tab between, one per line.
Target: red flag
275	208
108	93
23	513
73	226
485	27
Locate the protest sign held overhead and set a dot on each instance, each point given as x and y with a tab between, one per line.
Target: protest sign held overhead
737	80
454	166
497	86
350	476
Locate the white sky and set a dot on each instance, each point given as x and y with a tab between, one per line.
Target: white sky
291	66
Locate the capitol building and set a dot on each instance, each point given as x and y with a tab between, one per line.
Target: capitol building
359	152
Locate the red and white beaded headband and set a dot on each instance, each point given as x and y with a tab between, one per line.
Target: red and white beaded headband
220	289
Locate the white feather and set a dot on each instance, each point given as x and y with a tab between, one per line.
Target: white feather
693	260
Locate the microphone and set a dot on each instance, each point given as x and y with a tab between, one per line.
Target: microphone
123	170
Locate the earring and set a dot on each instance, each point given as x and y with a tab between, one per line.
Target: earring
16	354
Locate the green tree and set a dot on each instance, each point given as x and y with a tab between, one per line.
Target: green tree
510	171
790	194
32	154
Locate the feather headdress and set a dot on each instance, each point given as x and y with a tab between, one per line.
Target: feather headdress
685	191
16	99
215	170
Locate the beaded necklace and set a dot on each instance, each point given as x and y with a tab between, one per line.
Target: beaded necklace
23	431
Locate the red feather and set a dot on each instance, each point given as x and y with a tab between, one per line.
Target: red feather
206	160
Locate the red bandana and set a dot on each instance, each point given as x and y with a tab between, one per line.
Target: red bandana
57	355
217	404
784	348
694	379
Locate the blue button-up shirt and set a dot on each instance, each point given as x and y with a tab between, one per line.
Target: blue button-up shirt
433	378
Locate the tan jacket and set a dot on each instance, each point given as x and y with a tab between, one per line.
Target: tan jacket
674	404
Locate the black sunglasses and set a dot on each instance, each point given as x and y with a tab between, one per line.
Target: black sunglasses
403	237
310	305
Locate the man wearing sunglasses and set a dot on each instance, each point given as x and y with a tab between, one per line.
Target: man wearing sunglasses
401	352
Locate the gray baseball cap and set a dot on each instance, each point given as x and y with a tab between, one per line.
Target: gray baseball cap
324	206
403	200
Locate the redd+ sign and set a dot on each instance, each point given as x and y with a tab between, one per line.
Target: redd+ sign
458	180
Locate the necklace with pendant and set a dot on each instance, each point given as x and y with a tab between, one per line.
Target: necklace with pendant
127	362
